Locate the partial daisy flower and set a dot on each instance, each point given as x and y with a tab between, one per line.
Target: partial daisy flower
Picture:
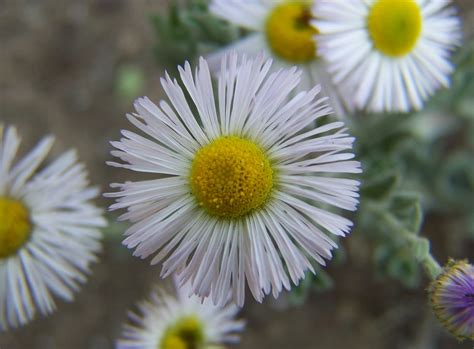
166	321
452	298
238	183
49	230
390	55
282	30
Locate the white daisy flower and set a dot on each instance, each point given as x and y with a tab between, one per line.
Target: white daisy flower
181	322
281	29
390	54
48	229
237	182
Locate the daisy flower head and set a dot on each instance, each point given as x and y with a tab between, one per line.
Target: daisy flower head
452	298
241	180
281	29
390	54
49	229
167	321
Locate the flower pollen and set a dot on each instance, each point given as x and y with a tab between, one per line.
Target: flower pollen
15	226
187	333
395	26
231	176
289	33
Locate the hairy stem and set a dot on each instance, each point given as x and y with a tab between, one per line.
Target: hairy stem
420	246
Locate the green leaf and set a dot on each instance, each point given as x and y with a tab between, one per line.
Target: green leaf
186	31
380	187
455	183
396	261
406	208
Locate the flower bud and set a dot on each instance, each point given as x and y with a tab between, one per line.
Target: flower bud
452	298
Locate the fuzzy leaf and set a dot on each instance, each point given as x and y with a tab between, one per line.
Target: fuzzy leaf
380	187
407	209
397	262
185	30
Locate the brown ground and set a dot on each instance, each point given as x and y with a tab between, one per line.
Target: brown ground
58	67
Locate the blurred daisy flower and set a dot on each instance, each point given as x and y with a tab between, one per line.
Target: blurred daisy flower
49	229
181	322
390	55
452	298
241	185
282	30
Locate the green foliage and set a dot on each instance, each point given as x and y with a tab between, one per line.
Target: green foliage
396	261
406	208
455	185
381	186
413	163
187	31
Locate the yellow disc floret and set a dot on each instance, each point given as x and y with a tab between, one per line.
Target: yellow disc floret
173	342
289	32
15	226
395	26
231	177
187	333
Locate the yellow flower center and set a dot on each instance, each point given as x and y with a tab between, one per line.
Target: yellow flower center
231	176
15	226
187	333
395	26
289	32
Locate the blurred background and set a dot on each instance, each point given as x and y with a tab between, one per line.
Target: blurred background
72	69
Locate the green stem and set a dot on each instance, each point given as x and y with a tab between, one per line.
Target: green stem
420	246
432	267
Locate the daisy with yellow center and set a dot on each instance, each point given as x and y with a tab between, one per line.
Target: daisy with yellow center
238	184
180	322
391	55
281	29
48	229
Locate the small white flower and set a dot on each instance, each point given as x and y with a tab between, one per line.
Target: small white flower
181	322
238	182
282	30
390	55
48	229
